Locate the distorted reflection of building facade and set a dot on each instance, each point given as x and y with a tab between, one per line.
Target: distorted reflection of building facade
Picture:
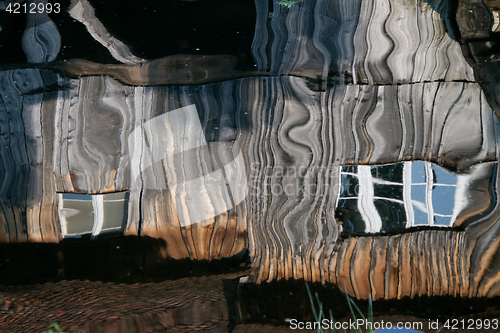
376	93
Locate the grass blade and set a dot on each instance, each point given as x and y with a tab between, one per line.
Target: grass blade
312	303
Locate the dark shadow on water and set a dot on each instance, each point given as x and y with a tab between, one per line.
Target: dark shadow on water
276	302
152	30
126	259
231	294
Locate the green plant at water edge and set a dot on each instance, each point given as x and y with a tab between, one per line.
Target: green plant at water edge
319	315
351	303
56	327
288	3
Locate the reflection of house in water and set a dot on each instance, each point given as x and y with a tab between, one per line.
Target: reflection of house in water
358	88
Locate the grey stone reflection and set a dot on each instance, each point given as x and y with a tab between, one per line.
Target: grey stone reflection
391	198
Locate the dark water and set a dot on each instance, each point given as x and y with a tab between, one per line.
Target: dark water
205	160
152	30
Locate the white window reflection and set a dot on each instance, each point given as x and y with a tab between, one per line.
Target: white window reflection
83	214
394	197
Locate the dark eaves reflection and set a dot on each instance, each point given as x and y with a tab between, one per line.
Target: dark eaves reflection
173	70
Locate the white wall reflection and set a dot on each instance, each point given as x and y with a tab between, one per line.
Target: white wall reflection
170	151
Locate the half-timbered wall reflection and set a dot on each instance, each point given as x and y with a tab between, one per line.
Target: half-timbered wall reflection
344	89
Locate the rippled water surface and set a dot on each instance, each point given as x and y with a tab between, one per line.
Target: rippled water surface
222	165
